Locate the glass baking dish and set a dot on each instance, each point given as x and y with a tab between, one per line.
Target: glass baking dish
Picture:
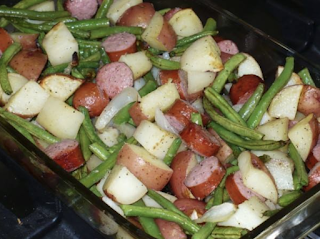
294	221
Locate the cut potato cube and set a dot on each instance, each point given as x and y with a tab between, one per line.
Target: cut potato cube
60	119
16	82
60	86
249	67
285	103
138	62
60	44
154	139
46	6
275	130
163	98
197	81
294	78
28	100
118	7
185	23
203	55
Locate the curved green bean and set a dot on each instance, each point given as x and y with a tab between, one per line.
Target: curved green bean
172	151
84	144
193	38
306	77
100	151
163	63
123	115
288	198
88	24
103	9
107	31
210	25
4	80
9	53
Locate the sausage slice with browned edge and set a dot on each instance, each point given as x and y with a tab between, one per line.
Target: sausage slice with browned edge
205	177
67	153
314	177
119	44
114	77
81	9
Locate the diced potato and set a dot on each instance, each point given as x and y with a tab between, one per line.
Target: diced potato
249	67
197	81
275	130
118	7
60	119
16	82
294	79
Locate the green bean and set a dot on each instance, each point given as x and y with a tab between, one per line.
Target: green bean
22	131
217	196
123	115
266	99
61	67
80	172
30	127
9	53
226	196
165	203
229	67
148	224
40	39
210	25
270	213
193	38
230	125
248	144
163	63
84	144
178	51
229	171
220	103
172	151
306	77
248	107
93	57
100	151
155	51
148	77
75	73
107	31
299	165
149	86
88	73
186	224
196	118
88	44
288	198
61	19
95	191
164	11
24	29
30	14
10	69
103	9
88	24
4	80
60	5
296	181
228	232
104	56
205	231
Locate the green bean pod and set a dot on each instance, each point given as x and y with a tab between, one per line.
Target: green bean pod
205	231
107	31
88	24
22	131
100	151
306	77
288	198
299	165
150	86
196	118
103	9
194	37
211	25
4	80
123	115
84	144
172	151
9	53
163	63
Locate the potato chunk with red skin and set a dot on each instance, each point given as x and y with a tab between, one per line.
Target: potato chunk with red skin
5	40
309	101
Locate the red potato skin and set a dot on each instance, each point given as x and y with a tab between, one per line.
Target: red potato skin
137	16
81	9
143	170
205	177
241	91
170	230
91	97
225	151
309	101
136	114
67	153
119	44
200	140
314	177
29	63
171	12
28	41
5	40
167	36
181	165
188	205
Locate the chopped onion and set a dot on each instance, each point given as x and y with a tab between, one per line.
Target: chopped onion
155	73
168	196
93	162
166	55
126	129
218	213
125	97
198	105
101	183
113	205
163	123
149	202
237	107
139	83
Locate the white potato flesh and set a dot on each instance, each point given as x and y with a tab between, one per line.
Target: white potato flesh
294	78
60	86
203	55
42	7
249	67
138	62
60	44
248	215
123	187
151	33
109	136
60	119
285	103
163	98
275	130
218	213
266	118
16	82
255	179
154	139
197	81
149	202
118	7
28	100
185	23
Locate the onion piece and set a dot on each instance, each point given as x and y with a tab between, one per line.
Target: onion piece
218	213
139	83
113	205
197	104
163	123
125	97
126	129
93	162
149	202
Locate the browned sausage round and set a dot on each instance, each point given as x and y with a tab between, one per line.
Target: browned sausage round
81	9
205	177
138	15
200	140
188	205
241	91
92	97
119	44
114	77
67	154
170	230
228	46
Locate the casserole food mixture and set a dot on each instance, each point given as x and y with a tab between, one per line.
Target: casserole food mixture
166	121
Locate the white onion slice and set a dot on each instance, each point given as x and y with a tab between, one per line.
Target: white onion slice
113	205
125	97
149	202
93	162
126	129
197	104
218	213
139	83
163	123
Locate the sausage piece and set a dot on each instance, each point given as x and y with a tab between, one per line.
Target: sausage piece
228	46
114	77
81	9
314	177
67	154
136	114
170	230
200	140
188	205
119	44
205	177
